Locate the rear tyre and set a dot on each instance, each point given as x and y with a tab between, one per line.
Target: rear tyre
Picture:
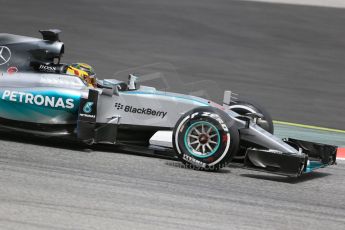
244	107
205	138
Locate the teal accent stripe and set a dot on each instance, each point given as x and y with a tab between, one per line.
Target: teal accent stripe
313	165
191	150
16	110
166	95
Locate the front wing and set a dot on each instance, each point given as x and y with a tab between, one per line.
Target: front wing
311	157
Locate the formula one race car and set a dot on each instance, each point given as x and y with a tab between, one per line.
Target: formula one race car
203	134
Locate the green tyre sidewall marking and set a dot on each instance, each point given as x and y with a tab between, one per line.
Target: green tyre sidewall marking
227	147
186	136
219	153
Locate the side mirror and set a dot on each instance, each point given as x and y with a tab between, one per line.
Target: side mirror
132	82
114	90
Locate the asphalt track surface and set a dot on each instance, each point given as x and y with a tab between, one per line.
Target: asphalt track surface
289	58
58	187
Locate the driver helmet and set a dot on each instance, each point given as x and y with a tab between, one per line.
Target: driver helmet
83	71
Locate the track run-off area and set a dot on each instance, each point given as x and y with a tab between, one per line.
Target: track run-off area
313	133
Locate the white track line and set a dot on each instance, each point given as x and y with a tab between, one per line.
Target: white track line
323	3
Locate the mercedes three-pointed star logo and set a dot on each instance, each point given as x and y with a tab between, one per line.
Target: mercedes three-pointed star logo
5	55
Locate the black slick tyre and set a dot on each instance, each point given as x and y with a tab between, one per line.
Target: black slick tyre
205	138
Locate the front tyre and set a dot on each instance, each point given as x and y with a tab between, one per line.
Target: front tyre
205	138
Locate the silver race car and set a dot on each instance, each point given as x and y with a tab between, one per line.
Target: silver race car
202	134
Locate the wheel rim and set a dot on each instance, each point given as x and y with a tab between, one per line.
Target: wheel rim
202	139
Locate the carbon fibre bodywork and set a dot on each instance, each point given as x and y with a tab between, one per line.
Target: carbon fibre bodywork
24	53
